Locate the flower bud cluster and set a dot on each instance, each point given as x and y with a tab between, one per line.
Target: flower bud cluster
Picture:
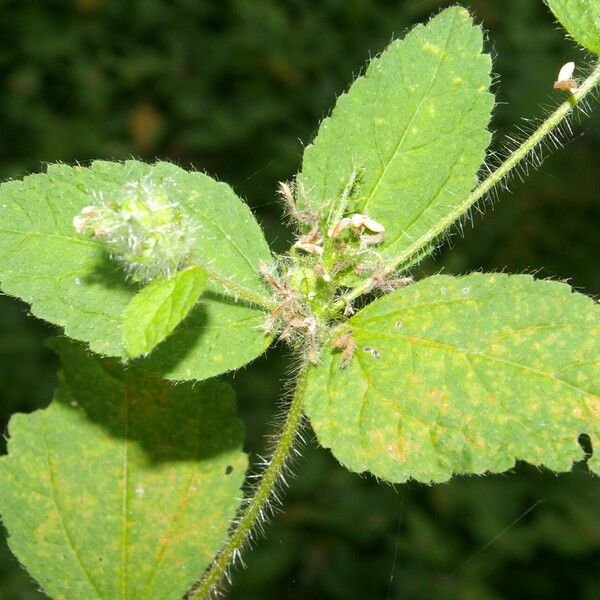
144	228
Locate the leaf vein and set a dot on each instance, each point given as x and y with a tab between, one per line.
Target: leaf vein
403	135
491	358
58	507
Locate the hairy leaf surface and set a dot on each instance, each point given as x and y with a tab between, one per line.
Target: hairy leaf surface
463	375
581	18
70	281
124	487
415	128
156	310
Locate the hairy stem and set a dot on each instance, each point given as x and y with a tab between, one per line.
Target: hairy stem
339	209
484	187
239	290
256	505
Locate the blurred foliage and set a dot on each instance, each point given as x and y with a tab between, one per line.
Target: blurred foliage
235	88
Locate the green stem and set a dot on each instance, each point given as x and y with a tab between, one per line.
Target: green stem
340	209
335	215
257	503
484	187
239	290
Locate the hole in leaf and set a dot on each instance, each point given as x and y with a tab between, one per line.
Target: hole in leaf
586	444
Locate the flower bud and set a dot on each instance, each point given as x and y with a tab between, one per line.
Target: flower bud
302	279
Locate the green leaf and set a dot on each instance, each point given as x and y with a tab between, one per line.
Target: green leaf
124	487
70	281
154	312
581	18
463	375
414	126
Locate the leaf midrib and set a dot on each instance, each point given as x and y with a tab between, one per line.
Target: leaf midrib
175	519
124	540
450	348
412	118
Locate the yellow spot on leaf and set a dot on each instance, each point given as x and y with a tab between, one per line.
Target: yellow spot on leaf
593	403
429	47
397	450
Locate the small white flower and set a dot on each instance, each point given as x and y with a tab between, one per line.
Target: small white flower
373	225
565	81
80	223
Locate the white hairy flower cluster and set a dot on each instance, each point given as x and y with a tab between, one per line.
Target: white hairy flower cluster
143	227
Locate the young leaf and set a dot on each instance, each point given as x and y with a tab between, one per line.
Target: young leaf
124	487
158	308
581	18
463	375
414	127
69	279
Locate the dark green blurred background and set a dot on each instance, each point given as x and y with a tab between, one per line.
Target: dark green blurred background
235	87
